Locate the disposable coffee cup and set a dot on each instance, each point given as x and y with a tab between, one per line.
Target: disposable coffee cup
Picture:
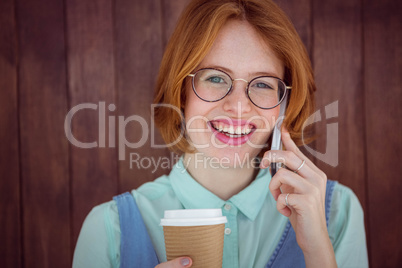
197	233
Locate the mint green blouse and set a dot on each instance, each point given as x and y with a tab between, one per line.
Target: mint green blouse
252	232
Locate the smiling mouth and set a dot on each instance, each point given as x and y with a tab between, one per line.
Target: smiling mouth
232	131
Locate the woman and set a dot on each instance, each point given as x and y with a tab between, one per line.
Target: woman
228	67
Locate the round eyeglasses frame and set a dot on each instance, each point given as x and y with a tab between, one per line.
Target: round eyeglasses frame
287	88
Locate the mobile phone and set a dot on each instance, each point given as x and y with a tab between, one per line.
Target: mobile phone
276	135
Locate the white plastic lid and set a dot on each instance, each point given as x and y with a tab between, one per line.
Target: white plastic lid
193	217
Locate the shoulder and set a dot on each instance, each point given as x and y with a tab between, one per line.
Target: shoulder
98	241
101	212
346	228
344	200
107	213
346	209
153	198
154	189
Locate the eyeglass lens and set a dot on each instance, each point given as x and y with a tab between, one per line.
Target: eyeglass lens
212	85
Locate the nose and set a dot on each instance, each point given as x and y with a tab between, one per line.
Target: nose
237	102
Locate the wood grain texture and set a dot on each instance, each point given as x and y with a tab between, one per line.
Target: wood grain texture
383	98
91	80
171	11
10	206
138	50
338	63
300	14
44	148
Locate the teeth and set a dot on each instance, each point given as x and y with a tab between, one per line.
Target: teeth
232	131
220	127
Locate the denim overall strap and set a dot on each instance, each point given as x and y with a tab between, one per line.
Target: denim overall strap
136	249
288	253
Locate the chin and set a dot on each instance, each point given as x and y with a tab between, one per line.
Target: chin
227	157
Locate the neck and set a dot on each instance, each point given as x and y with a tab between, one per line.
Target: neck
222	180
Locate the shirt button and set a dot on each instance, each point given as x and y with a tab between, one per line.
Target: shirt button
228	231
227	207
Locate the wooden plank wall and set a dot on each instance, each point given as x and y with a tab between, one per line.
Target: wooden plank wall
10	197
382	81
55	55
90	61
44	150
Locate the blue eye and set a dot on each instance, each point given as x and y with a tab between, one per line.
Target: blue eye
262	85
216	79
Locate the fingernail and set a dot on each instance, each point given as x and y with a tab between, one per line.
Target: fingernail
262	165
185	261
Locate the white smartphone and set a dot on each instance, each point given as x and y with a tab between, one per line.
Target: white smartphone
276	135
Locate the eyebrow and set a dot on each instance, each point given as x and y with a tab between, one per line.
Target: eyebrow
251	74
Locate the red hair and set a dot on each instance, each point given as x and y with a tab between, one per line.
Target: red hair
193	37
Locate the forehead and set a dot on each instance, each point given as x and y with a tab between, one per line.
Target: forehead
239	48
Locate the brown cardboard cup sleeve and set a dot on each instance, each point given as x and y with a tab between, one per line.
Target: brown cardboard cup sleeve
197	233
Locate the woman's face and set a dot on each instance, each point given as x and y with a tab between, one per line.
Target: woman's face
240	52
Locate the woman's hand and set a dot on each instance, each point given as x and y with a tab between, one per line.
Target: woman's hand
176	263
305	191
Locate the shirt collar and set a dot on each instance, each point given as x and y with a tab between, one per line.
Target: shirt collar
193	195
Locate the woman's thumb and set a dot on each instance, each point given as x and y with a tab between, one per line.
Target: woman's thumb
176	263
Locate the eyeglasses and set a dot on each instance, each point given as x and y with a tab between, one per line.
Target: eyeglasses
265	92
